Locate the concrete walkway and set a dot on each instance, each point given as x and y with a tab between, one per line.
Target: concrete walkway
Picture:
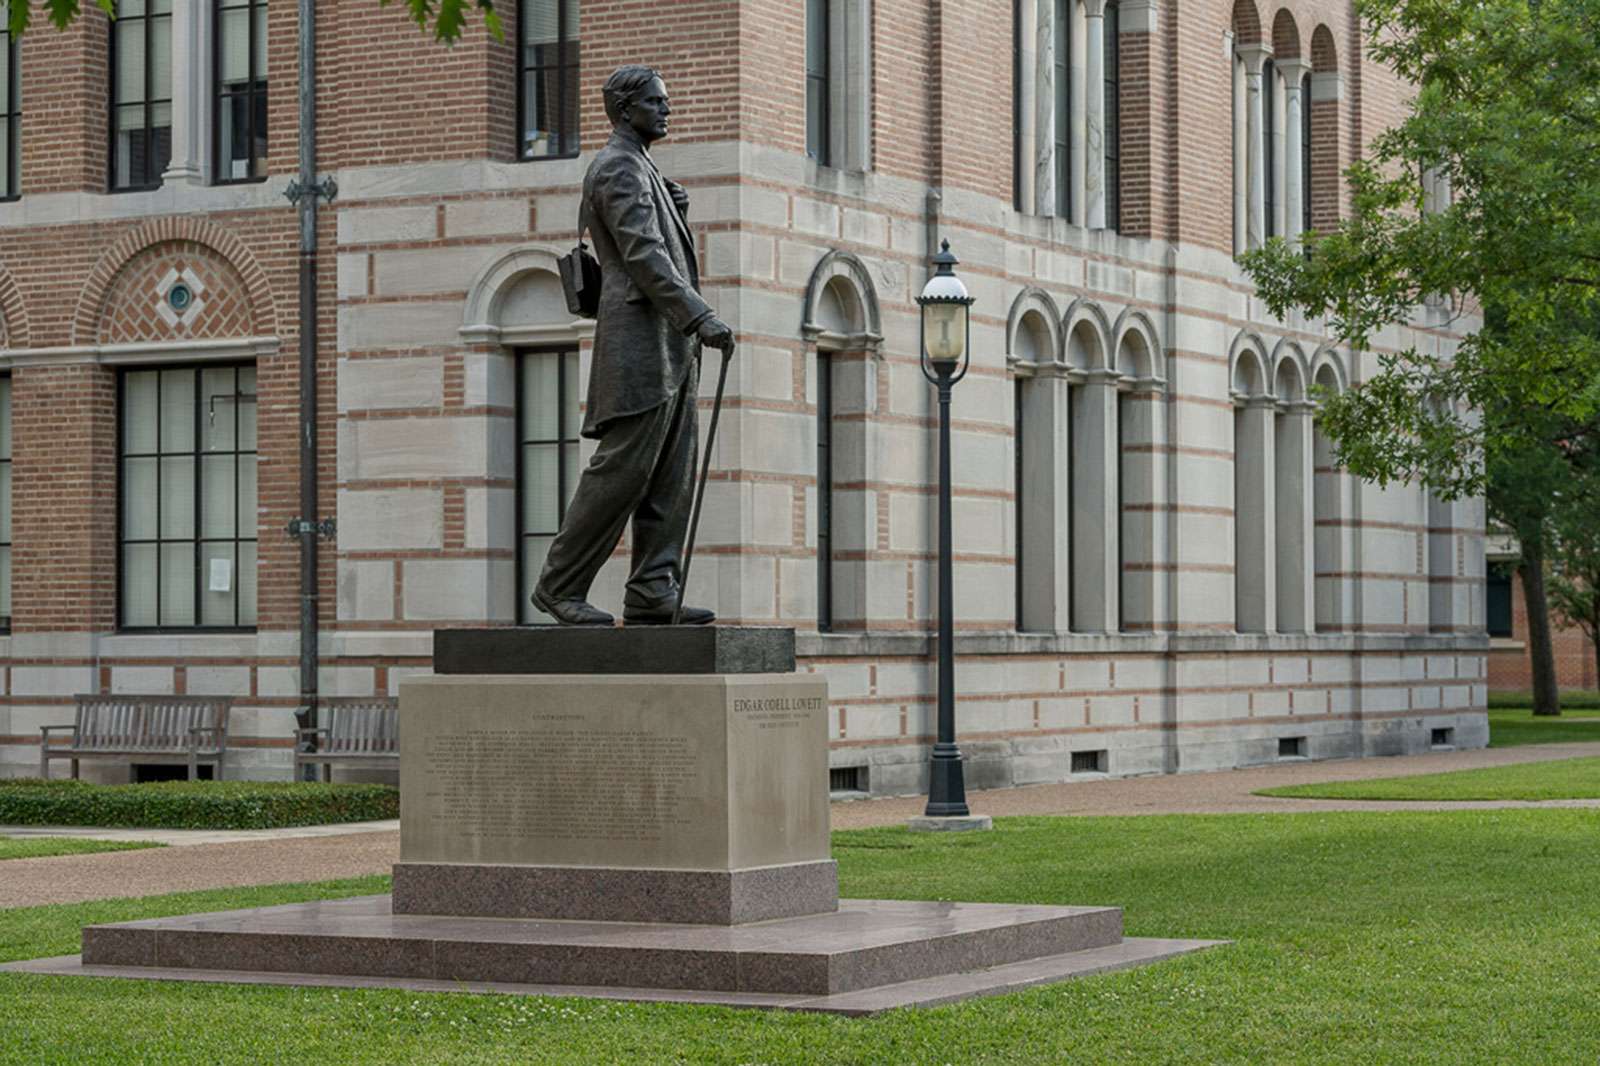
233	859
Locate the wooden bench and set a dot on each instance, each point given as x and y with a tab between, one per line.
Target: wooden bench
357	732
187	730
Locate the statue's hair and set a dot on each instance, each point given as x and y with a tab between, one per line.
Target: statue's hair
623	87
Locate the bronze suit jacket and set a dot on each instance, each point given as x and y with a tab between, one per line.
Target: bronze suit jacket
645	337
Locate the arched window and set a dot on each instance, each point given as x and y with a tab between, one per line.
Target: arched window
548	418
1323	137
548	96
1255	600
1141	490
1094	478
1328	512
1292	498
1062	52
818	120
1305	154
1251	130
1040	396
842	324
1269	147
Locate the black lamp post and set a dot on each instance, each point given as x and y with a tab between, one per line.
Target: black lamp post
946	330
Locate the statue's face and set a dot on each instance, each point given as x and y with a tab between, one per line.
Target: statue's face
648	112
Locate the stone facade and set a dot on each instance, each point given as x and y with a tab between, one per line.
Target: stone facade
1157	567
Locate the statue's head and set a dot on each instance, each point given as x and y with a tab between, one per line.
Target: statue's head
636	96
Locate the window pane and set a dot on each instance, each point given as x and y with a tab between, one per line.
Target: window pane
177	497
5	503
138	499
235	46
258	144
540	21
246	580
539	104
177	411
5	70
569	470
161	59
130	62
217	409
5	159
139	411
816	36
139	585
5	583
540	486
569	399
217	496
161	7
534	551
540	397
219	584
5	418
177	584
247	411
246	503
259	16
125	8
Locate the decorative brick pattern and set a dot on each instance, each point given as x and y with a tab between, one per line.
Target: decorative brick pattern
138	307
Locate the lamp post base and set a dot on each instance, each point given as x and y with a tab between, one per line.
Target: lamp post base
950	823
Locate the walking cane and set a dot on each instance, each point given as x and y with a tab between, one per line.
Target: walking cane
700	489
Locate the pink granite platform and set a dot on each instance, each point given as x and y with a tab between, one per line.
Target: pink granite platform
869	955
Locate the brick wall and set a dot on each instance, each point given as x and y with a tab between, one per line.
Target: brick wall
1509	667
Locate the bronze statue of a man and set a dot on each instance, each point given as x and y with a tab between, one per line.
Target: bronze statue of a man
641	404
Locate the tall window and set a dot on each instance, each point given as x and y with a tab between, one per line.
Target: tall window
5	502
824	491
1063	109
1497	586
1305	154
10	112
1113	121
141	93
548	101
188	509
1016	105
241	80
1269	146
547	461
818	121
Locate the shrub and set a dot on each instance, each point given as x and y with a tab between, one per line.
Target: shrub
1571	700
194	804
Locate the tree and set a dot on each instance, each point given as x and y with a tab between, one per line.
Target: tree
1575	561
1507	114
447	18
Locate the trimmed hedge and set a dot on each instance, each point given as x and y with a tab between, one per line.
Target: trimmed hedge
1571	700
194	804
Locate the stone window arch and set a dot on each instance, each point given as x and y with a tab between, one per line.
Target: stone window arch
1041	455
1326	91
526	358
1142	491
1094	472
1250	56
842	328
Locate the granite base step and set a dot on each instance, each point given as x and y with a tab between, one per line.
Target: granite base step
865	944
926	992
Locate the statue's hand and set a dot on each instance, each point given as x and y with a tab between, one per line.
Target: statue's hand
680	196
714	333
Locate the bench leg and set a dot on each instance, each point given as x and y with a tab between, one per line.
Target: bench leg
327	773
74	769
194	767
44	763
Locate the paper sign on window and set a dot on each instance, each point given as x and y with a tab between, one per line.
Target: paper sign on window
221	575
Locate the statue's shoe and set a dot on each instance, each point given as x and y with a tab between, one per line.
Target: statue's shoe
662	616
573	612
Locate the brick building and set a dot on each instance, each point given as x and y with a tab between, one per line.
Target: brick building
1157	566
1510	668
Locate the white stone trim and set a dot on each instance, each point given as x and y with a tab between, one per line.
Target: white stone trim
1327	85
144	352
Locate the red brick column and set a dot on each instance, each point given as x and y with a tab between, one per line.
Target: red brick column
64	498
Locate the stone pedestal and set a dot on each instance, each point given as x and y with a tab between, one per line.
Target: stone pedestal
699	798
625	830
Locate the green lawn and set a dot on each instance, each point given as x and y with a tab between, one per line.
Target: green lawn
1509	727
1565	779
1360	938
41	847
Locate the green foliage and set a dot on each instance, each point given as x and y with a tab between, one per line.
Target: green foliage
44	847
1358	938
1564	779
1506	111
194	804
1572	699
448	18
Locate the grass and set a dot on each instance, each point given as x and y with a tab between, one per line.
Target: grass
1459	937
1564	779
1572	699
44	847
194	804
1509	727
